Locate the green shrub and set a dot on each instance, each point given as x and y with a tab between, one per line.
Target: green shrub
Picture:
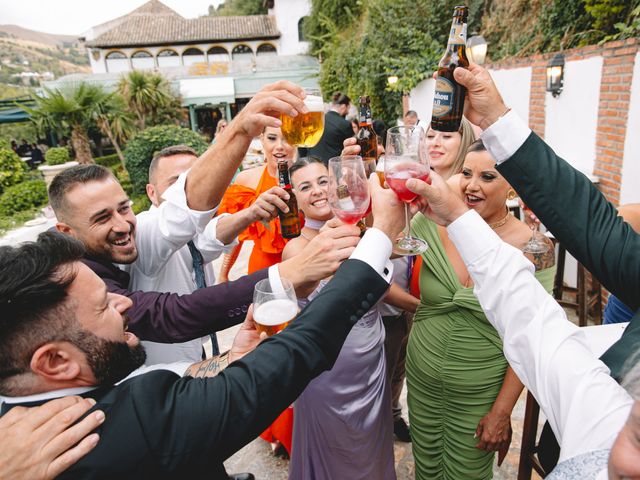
23	196
12	169
141	148
108	160
57	156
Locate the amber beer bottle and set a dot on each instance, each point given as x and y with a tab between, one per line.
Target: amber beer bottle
290	221
366	137
448	99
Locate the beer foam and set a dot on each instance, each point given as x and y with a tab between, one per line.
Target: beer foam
275	312
314	103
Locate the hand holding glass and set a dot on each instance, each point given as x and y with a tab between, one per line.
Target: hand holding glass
405	158
274	306
536	243
348	188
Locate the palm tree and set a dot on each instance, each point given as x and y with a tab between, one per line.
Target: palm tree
73	110
149	95
116	122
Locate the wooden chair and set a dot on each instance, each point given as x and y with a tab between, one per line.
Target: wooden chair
528	450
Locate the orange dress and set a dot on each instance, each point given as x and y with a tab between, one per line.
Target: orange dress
268	242
267	251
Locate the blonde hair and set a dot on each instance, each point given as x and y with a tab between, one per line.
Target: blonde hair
468	137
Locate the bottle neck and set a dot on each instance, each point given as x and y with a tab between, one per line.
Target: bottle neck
283	175
365	115
458	35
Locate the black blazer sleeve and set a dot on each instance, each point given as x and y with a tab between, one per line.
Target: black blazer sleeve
578	215
213	418
587	225
172	318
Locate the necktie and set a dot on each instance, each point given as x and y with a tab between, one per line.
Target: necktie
198	270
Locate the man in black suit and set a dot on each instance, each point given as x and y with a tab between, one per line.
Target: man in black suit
62	333
336	129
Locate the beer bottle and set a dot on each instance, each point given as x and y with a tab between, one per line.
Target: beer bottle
366	137
290	221
448	99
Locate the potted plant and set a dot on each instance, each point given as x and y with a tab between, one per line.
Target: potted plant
57	160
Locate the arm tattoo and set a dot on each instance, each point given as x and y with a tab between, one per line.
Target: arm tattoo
208	368
545	259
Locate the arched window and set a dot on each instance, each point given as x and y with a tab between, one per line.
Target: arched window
242	52
217	54
192	55
266	49
168	58
301	35
142	60
117	62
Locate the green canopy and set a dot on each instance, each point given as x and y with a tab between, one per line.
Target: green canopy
13	115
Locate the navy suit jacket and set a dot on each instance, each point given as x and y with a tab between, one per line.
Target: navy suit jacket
173	318
579	215
161	426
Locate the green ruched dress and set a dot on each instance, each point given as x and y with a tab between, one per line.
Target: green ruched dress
455	368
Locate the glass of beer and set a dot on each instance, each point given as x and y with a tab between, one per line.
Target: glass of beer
305	130
274	306
380	169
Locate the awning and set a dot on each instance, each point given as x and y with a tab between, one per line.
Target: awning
198	91
14	115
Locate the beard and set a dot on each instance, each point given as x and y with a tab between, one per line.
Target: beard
110	361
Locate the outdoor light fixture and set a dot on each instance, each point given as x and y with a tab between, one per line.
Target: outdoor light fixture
555	75
392	79
477	49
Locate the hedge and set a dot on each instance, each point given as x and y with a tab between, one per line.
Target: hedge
23	196
141	148
57	156
12	169
108	160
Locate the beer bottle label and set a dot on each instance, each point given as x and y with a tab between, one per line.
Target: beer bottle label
443	97
458	35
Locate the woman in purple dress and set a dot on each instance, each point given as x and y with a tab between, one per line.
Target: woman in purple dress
342	424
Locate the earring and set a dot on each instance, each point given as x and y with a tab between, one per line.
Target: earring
511	194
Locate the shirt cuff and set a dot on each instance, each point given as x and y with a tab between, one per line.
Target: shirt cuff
374	249
505	137
210	237
472	236
177	195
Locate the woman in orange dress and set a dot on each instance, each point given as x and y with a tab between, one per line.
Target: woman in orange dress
268	241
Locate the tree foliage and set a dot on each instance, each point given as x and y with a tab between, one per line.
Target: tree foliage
238	7
141	148
12	169
150	97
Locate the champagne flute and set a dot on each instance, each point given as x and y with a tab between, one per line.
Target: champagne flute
406	158
348	188
305	130
535	244
274	305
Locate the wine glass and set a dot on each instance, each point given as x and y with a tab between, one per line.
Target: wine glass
535	244
405	158
305	130
274	305
348	188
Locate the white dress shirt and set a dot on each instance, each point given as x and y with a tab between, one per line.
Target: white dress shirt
586	408
165	264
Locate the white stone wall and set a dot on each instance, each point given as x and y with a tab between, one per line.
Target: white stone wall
515	86
630	189
288	13
571	119
421	99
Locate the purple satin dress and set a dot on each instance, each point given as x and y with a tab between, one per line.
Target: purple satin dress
343	427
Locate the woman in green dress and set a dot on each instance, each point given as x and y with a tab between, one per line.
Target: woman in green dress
461	390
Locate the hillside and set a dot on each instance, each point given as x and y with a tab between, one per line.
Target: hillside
14	31
25	55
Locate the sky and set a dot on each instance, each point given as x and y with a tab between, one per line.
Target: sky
74	17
